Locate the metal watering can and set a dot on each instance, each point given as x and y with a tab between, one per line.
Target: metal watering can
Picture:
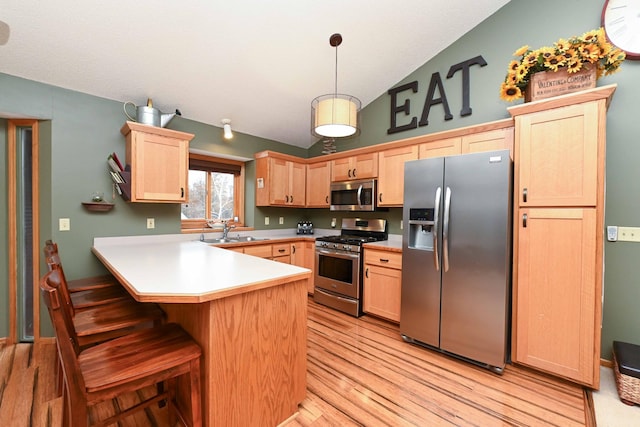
148	115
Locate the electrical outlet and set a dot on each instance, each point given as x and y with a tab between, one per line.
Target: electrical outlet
151	223
64	224
281	220
629	234
401	224
333	223
266	220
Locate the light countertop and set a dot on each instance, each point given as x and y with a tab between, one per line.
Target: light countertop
172	269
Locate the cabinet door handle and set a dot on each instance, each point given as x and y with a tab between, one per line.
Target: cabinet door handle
286	198
280	250
524	195
366	273
354	173
524	220
291	197
181	191
380	197
384	260
293	249
326	199
349	173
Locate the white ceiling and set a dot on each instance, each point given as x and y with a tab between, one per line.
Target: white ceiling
256	62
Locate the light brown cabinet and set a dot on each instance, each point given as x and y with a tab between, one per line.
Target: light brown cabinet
318	185
280	181
303	255
382	284
499	139
360	166
281	252
391	174
159	163
440	148
558	234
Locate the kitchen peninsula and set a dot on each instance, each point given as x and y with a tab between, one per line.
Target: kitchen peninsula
248	314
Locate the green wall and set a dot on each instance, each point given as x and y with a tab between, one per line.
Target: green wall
84	129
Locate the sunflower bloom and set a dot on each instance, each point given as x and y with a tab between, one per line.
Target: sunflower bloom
521	51
510	92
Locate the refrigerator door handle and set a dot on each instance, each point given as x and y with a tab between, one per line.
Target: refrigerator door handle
436	225
445	231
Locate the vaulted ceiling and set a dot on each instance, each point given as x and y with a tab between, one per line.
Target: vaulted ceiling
256	62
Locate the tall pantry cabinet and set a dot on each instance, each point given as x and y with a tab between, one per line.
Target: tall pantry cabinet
559	160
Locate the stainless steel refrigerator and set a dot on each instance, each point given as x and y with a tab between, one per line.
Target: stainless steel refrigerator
456	256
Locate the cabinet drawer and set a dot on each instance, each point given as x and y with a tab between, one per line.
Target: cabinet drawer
263	251
281	249
383	258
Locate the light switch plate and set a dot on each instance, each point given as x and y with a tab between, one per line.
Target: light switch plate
64	224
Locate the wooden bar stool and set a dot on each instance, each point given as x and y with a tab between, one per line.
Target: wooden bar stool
90	291
129	363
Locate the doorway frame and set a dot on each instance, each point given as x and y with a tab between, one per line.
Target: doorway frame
12	187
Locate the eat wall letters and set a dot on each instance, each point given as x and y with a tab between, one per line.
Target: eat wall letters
431	100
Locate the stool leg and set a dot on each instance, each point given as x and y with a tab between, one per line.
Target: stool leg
196	395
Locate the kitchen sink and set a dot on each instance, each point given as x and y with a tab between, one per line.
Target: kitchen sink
234	239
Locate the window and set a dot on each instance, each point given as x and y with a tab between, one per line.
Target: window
216	191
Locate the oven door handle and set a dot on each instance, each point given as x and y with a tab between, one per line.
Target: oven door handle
343	255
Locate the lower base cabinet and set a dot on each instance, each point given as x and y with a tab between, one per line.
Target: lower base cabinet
382	283
556	326
303	255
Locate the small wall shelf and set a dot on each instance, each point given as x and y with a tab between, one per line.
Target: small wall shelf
98	206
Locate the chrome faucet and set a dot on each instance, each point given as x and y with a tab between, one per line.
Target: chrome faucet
225	229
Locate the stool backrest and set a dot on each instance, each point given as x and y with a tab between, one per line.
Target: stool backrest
52	258
66	338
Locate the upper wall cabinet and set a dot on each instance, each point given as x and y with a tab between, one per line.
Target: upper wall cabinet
360	166
318	184
280	180
391	174
159	163
441	148
499	139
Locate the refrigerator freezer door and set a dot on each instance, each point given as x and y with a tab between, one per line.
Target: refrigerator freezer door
420	302
476	286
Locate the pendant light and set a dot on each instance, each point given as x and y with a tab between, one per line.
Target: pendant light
335	115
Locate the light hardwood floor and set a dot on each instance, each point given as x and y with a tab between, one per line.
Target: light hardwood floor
360	373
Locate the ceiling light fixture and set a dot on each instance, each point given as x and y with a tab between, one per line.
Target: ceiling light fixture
226	125
335	115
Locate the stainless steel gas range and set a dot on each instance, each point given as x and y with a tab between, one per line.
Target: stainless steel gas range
338	272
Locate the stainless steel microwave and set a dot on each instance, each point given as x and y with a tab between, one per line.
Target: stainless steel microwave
358	195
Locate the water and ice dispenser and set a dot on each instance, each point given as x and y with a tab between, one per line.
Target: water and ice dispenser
421	228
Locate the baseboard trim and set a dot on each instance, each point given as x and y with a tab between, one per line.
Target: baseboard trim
606	363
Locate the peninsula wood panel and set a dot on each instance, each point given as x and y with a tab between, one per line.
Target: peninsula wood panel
254	353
